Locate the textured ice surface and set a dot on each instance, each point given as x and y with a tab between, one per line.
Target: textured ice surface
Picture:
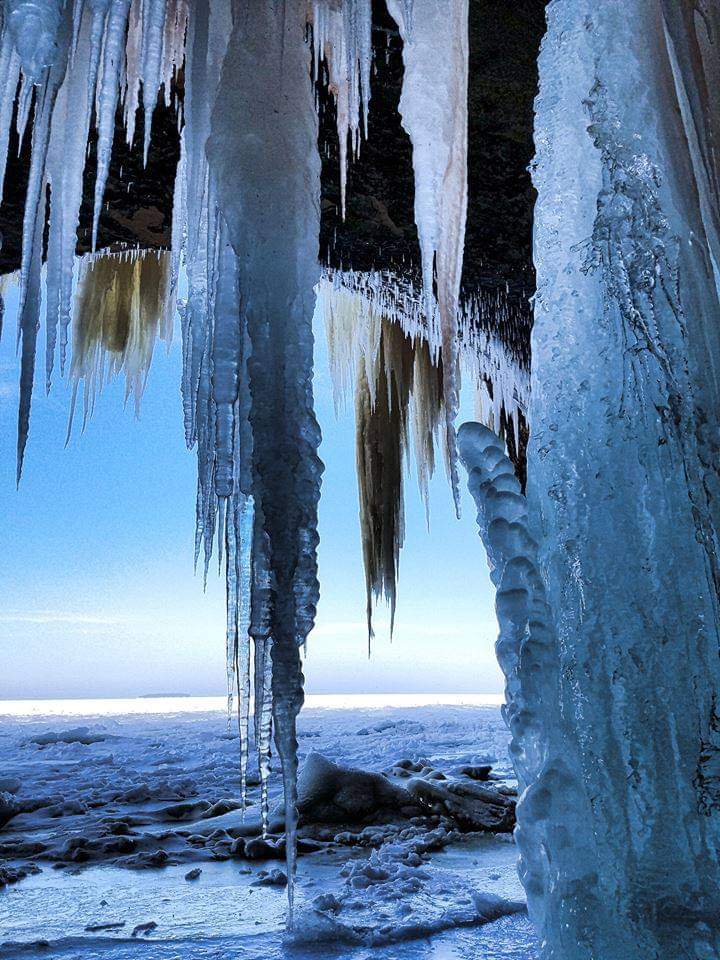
527	652
265	169
623	477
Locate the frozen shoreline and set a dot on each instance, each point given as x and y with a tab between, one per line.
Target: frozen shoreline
127	786
182	703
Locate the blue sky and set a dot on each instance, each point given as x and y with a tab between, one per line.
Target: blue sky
97	592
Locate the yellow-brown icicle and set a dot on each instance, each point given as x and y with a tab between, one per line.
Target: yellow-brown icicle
121	310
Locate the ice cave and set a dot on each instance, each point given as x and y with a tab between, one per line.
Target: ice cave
516	199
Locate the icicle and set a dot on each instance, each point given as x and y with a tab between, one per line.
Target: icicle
259	629
353	302
265	164
226	363
25	98
9	76
381	441
153	29
173	50
208	34
398	392
343	40
66	165
108	91
133	69
120	312
433	106
34	228
98	20
374	323
239	535
34	25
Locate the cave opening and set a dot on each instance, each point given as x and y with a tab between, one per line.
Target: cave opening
540	179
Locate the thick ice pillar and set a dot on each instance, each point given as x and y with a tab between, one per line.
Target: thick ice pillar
623	473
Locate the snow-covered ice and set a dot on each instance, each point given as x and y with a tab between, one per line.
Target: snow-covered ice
122	809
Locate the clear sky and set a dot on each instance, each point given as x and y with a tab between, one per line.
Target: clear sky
97	592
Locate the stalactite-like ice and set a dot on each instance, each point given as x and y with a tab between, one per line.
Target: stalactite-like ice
361	297
433	106
342	37
65	167
34	26
383	352
246	230
623	477
70	58
49	82
108	91
398	407
121	311
9	76
266	170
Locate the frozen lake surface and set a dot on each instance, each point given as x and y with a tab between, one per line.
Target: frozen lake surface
121	802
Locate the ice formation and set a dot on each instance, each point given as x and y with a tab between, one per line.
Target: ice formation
622	469
527	652
353	300
245	231
342	38
433	107
384	353
398	408
70	61
121	310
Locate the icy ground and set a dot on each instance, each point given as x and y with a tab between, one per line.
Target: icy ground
119	809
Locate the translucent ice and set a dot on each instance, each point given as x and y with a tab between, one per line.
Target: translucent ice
433	106
622	476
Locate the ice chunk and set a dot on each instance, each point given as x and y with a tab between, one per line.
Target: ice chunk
34	26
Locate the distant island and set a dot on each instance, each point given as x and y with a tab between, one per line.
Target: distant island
157	696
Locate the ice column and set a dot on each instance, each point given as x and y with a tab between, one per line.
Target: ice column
265	167
623	472
433	106
527	652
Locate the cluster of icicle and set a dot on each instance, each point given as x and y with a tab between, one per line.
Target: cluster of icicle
246	231
397	382
383	352
70	63
501	379
121	309
247	209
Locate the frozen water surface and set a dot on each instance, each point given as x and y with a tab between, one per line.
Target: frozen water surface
145	759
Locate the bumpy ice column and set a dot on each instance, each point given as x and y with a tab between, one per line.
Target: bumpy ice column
623	471
528	655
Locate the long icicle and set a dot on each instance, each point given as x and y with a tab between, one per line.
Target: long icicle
433	106
266	168
34	224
